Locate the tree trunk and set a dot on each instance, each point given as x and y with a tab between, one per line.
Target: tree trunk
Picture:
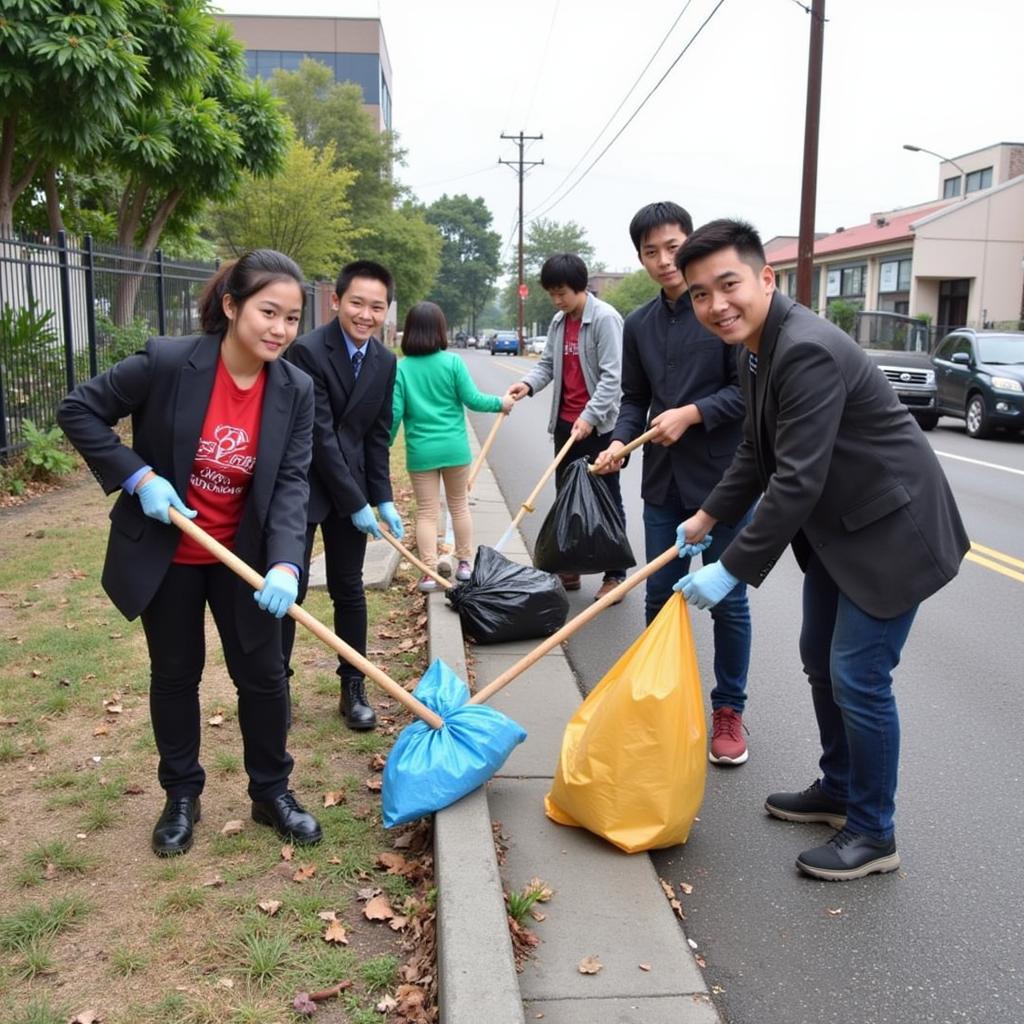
11	187
53	210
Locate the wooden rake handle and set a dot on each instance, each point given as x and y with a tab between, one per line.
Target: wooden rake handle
315	626
482	454
573	625
632	446
527	506
409	556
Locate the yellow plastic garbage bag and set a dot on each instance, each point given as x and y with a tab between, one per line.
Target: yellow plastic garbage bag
634	756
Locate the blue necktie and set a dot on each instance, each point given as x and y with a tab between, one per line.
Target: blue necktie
357	362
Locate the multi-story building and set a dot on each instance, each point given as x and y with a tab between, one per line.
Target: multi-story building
353	48
958	258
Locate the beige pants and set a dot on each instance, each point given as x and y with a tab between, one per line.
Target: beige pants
427	488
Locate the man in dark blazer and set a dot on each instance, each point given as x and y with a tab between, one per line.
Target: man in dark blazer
353	379
682	379
848	479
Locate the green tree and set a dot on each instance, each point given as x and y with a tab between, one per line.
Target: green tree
631	291
303	211
544	238
409	247
469	258
69	73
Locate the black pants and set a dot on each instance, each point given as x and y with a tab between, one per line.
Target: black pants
589	448
174	627
344	552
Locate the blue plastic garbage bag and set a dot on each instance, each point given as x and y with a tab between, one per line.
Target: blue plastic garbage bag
427	768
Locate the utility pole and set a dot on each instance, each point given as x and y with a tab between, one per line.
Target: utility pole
809	188
521	166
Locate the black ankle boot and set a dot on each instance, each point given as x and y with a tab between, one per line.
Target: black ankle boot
172	833
353	706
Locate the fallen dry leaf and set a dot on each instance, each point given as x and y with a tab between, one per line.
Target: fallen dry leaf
334	797
686	888
133	789
394	862
670	895
644	967
232	828
213	882
589	965
50	871
833	911
269	907
701	962
303	1005
336	932
86	1017
377	762
375	783
100	730
217	719
538	915
227	983
397	923
305	872
287	851
387	1004
378	909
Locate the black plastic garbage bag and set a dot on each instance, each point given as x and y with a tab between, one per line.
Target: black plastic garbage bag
504	600
584	531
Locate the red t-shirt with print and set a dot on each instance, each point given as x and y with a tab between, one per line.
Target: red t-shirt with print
224	463
574	396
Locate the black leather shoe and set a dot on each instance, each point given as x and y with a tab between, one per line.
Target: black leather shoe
289	818
172	833
849	855
353	706
807	806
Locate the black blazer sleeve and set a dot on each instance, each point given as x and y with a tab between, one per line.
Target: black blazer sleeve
377	443
636	388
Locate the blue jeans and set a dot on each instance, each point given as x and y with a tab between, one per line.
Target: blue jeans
849	657
731	616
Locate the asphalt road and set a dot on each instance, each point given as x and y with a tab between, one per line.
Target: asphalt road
942	939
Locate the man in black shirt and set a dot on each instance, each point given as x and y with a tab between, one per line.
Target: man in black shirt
684	379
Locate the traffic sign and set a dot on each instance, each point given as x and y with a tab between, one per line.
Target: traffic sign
523	291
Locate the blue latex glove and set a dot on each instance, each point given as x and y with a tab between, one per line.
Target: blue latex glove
689	550
157	496
280	588
390	515
707	586
366	522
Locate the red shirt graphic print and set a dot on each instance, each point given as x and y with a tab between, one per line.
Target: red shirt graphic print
574	395
224	463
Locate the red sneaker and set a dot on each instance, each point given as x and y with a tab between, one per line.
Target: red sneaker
727	743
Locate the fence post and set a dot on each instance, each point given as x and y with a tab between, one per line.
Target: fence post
65	308
90	304
161	312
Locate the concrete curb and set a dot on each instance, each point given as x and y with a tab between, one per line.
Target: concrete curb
379	567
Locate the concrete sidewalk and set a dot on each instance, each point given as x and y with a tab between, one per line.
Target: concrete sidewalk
606	903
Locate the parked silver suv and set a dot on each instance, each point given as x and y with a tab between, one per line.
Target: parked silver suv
899	347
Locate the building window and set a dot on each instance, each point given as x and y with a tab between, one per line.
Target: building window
846	282
894	276
361	68
977	180
951	187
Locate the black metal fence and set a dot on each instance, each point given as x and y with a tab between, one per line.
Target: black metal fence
69	310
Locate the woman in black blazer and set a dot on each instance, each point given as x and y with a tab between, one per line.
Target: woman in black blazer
222	420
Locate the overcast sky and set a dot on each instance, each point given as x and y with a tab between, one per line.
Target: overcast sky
722	135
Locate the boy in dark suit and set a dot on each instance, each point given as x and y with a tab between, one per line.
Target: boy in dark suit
682	377
845	476
353	378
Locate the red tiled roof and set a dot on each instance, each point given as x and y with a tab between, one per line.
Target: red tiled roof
896	227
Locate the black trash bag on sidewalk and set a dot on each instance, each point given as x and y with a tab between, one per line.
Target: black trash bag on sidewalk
584	531
504	600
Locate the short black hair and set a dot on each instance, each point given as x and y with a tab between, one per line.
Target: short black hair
365	268
722	234
565	268
655	215
425	330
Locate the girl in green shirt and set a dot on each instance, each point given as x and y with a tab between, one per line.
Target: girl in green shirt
432	390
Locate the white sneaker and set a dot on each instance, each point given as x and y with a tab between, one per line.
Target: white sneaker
427	585
464	571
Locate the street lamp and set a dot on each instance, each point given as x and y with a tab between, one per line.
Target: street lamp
944	159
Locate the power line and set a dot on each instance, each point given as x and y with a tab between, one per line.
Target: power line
643	103
622	103
543	60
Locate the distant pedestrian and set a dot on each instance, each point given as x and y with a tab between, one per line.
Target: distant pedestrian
582	357
432	391
221	419
849	480
681	380
353	380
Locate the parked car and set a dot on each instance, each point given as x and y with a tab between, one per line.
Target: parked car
980	379
471	341
505	341
536	344
898	345
487	340
460	339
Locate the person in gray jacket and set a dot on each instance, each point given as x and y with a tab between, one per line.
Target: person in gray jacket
583	358
849	480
